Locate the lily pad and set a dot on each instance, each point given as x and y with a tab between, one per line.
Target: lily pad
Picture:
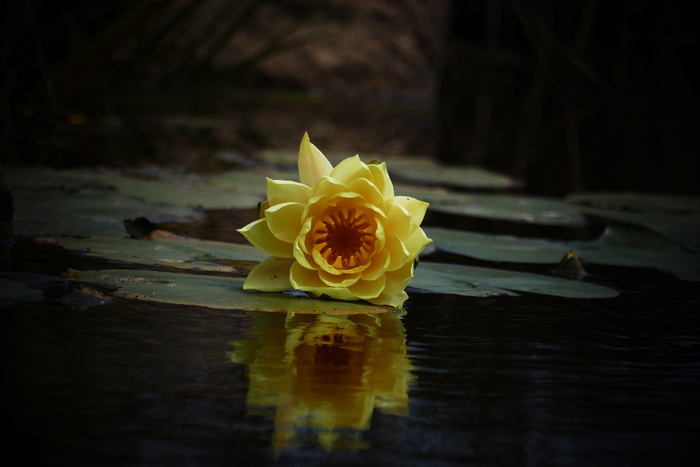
639	202
527	209
82	214
677	218
253	182
472	281
497	247
683	230
215	292
184	254
149	191
502	248
426	171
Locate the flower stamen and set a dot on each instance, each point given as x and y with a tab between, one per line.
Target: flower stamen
344	237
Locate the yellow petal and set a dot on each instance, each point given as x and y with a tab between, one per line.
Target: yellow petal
312	163
399	221
367	190
342	280
309	281
258	233
398	280
366	290
377	267
286	191
337	293
271	275
382	180
396	300
350	169
416	242
414	207
328	186
284	220
398	254
304	279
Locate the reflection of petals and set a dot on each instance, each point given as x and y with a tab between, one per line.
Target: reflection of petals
327	373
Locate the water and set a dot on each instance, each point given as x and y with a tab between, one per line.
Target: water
528	380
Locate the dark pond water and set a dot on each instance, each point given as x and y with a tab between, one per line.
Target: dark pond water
527	380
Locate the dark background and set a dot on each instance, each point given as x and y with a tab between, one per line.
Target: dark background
566	96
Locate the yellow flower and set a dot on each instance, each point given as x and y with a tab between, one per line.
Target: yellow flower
340	232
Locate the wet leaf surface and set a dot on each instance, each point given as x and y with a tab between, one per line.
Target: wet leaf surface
215	292
478	281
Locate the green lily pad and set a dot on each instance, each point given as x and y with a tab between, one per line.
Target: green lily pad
215	292
149	191
472	281
527	209
184	254
669	258
639	202
426	171
497	247
677	218
82	214
683	230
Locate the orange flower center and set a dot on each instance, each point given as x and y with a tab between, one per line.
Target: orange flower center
344	237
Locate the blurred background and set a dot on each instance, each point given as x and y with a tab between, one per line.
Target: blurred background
564	96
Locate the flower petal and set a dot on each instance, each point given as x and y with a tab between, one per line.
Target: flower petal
378	265
309	281
271	275
312	163
287	191
366	290
328	186
416	242
284	220
382	180
399	221
350	169
342	280
304	279
367	190
395	301
415	207
398	254
398	280
259	234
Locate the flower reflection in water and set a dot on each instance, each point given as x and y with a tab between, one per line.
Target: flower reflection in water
323	375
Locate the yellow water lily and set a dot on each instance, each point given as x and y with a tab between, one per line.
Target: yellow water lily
339	232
